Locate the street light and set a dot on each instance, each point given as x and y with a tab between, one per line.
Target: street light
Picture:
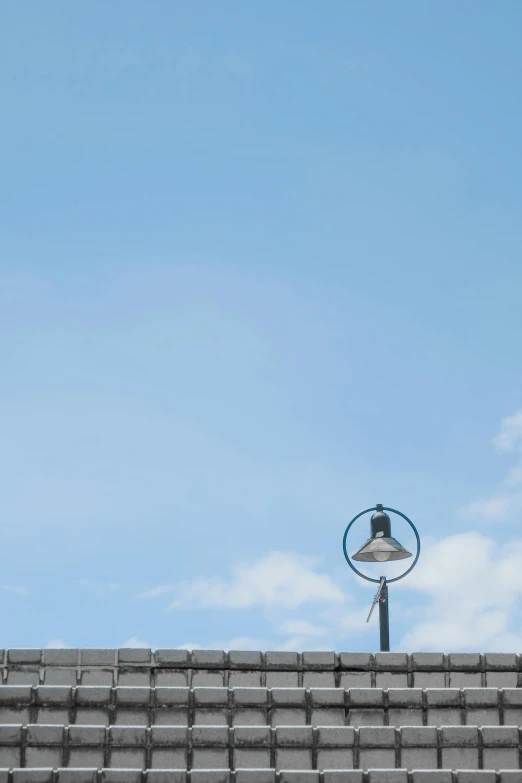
381	547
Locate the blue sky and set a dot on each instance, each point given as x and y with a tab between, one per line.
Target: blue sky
259	269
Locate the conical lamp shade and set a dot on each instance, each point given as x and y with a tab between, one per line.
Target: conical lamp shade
380	550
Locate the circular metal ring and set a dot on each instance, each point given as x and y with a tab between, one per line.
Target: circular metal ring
369	578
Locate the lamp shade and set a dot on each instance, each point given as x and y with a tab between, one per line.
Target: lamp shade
381	547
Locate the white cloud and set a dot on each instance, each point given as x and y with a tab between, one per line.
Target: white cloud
55	644
488	508
510	436
514	477
190	646
241	643
281	579
474	588
135	641
156	592
303	628
16	589
100	588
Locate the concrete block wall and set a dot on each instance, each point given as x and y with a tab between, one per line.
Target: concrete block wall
249	717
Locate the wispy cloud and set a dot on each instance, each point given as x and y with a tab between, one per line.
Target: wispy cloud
56	644
510	436
16	589
100	588
156	592
281	579
135	641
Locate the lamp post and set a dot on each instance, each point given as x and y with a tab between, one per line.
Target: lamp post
381	547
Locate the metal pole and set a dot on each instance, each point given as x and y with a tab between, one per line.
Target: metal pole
384	618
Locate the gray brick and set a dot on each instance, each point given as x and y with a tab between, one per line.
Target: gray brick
216	736
366	697
25	677
315	679
459	679
477	776
388	776
86	735
376	758
172	657
63	657
419	758
432	776
427	661
53	694
243	678
250	758
319	660
95	657
282	660
132	695
44	735
418	736
335	758
245	659
349	660
24	655
405	697
170	697
512	697
429	679
97	677
460	758
210	758
169	678
289	716
10	735
389	662
139	655
43	756
166	776
60	676
121	776
210	696
169	736
9	757
500	758
294	736
391	680
246	736
250	696
345	776
510	776
376	736
501	661
295	697
459	736
93	694
131	758
169	758
501	679
293	758
33	775
210	776
328	716
443	697
327	697
283	679
127	736
15	694
356	680
208	679
87	757
255	776
333	736
135	678
76	775
295	776
464	661
493	736
208	659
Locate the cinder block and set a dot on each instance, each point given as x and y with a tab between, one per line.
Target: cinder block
43	757
169	678
25	677
132	695
499	736
210	758
136	678
76	775
377	737
95	657
250	717
460	758
294	736
501	661
209	717
366	697
345	776
210	776
318	660
355	680
128	758
362	661
288	697
53	695
208	659
432	776
376	758
318	679
10	735
335	737
25	655
282	660
169	716
139	655
33	775
60	676
9	756
208	679
418	736
459	736
249	697
501	679
215	736
255	775
169	758
365	717
210	696
464	661
391	680
90	695
249	736
92	716
429	679
134	736
335	758
294	776
97	676
458	679
245	659
478	776
53	715
389	662
238	679
251	758
132	717
328	716
294	758
388	776
63	657
86	735
121	776
15	694
291	716
427	661
510	776
166	776
13	714
172	658
500	758
327	697
283	679
44	735
419	758
406	716
169	736
87	757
